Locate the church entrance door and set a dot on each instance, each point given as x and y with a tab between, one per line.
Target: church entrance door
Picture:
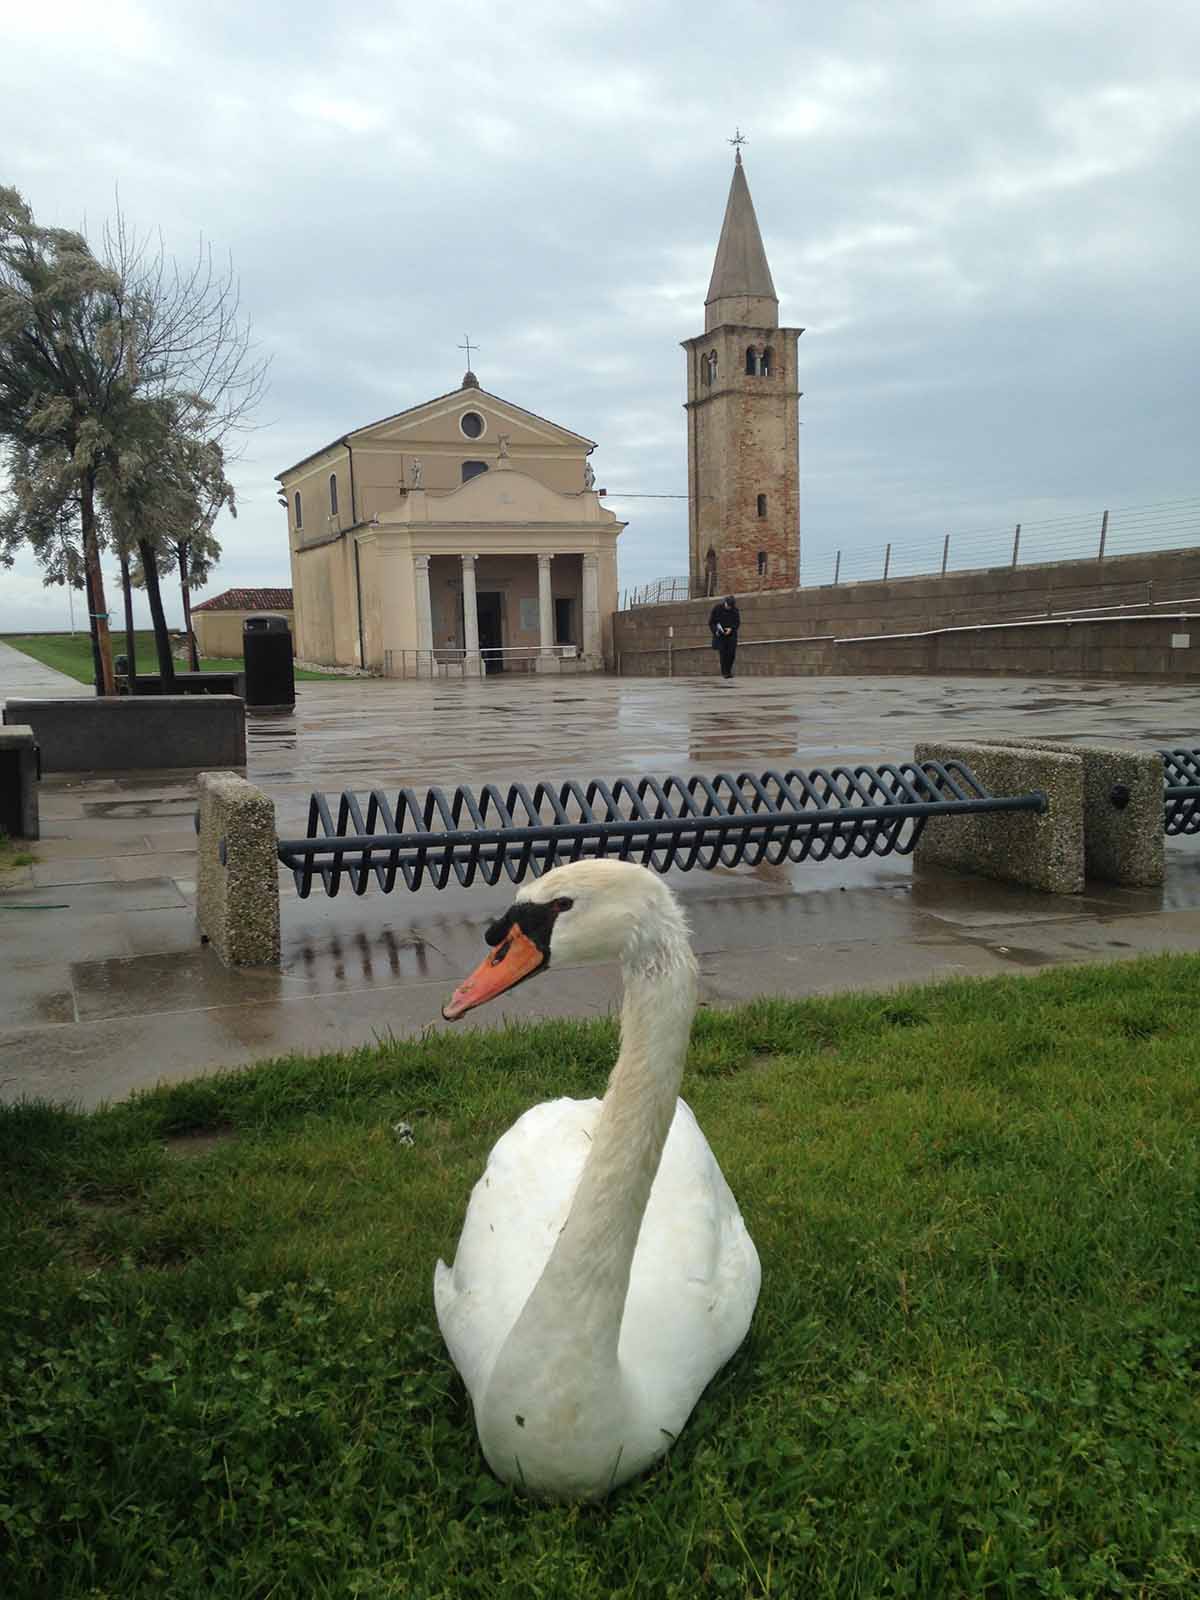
489	609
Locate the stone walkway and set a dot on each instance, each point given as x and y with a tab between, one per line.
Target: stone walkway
23	678
104	986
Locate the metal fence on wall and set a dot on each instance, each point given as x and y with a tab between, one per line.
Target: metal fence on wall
1125	530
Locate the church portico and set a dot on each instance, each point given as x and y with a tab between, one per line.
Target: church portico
504	561
512	611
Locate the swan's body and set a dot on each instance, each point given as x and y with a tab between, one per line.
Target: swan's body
604	1273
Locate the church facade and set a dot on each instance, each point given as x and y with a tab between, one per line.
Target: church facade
743	420
459	537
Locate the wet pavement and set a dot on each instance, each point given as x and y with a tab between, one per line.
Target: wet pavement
104	986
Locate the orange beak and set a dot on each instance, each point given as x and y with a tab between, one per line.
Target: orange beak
512	961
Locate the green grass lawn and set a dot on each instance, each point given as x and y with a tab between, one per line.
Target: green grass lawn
974	1369
72	653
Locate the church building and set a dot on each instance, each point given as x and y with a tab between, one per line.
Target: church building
743	420
461	536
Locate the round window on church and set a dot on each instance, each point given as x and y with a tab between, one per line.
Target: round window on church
471	424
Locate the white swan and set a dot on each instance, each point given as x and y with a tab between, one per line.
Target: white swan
604	1273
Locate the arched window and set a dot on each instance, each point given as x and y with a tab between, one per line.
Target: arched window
752	362
705	373
762	563
768	362
710	572
472	469
762	505
712	366
299	510
333	494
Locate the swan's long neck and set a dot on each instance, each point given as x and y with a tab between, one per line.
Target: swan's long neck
581	1293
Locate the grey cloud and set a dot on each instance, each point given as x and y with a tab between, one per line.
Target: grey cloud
983	213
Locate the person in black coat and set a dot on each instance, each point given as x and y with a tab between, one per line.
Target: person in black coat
724	620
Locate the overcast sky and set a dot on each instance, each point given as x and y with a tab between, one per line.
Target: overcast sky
984	212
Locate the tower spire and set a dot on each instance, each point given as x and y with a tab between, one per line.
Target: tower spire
740	275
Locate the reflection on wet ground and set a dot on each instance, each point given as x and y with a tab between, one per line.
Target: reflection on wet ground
112	988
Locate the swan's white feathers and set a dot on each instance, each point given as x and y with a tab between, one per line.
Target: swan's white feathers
695	1275
578	1383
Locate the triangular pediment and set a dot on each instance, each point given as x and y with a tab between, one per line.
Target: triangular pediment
437	422
441	421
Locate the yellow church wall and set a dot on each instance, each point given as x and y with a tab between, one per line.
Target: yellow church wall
312	482
377	470
219	633
326	606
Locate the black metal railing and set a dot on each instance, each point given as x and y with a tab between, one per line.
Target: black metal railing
1181	791
683	823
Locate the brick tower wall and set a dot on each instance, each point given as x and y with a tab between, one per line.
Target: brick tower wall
743	442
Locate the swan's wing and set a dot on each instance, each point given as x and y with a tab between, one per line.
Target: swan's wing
695	1277
513	1217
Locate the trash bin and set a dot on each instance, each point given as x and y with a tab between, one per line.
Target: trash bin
267	653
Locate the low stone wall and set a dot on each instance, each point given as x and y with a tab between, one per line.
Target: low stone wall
123	734
837	628
1131	647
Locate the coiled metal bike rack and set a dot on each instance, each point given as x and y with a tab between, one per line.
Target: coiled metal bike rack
1182	790
685	823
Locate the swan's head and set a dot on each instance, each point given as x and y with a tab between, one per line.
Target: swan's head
587	911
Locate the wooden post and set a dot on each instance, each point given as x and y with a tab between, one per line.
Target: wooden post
887	561
945	553
1103	536
1016	544
837	567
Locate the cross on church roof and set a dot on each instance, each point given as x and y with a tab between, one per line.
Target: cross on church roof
739	139
468	347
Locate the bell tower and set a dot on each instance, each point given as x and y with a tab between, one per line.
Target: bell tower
743	419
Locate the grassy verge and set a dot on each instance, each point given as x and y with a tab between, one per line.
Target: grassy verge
973	1370
13	853
72	653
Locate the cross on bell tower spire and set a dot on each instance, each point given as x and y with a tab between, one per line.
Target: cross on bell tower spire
738	140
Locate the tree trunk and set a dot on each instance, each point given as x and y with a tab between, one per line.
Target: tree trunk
97	675
162	640
181	552
98	608
130	650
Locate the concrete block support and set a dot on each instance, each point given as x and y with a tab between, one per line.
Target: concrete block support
19	782
237	881
1041	850
1123	838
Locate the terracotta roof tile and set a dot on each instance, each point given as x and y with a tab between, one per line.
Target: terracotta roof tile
248	600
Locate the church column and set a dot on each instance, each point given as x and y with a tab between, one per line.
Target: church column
424	611
545	607
591	609
470	618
